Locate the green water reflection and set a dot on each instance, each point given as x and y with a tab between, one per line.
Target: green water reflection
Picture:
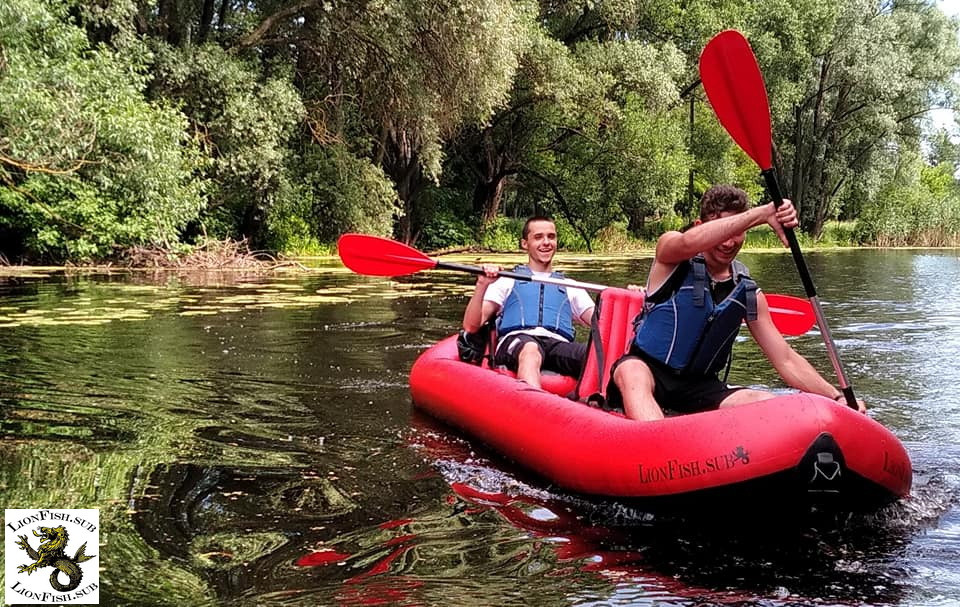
108	385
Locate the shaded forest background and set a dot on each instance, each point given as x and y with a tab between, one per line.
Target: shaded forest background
167	123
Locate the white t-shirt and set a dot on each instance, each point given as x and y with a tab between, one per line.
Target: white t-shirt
499	290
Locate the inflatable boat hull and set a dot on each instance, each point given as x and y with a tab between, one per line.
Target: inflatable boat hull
795	449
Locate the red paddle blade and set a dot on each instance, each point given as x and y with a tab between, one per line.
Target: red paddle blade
376	256
791	315
734	85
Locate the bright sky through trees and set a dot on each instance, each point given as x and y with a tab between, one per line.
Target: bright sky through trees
944	118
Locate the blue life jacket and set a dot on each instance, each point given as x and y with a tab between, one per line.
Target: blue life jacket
689	332
536	304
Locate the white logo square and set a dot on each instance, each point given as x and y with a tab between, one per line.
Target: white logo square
52	556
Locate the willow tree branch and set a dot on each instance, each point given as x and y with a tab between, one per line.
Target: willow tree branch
270	22
35	168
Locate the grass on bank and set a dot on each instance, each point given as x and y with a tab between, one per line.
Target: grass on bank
504	236
501	238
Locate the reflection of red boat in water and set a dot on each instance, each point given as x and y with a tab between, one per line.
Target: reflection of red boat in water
794	450
619	555
572	539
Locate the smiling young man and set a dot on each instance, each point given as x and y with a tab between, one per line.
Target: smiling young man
536	325
698	295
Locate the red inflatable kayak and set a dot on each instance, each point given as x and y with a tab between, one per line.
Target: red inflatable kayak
794	449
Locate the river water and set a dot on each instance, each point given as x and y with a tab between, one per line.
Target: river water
250	440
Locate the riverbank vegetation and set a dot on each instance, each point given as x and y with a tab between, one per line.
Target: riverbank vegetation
157	125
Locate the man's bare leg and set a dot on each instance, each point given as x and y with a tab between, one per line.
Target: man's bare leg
636	384
746	396
528	364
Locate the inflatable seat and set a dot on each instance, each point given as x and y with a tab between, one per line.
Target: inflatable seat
610	338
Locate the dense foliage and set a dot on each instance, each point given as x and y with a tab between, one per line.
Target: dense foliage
288	122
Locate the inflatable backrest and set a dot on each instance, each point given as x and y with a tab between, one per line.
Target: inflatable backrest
613	330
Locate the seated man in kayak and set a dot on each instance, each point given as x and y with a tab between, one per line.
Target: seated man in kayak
698	294
535	329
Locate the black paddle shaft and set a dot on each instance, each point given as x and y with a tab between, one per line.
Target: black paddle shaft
462	267
773	187
459	267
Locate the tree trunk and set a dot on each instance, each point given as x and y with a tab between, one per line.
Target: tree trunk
565	209
175	29
796	184
206	21
401	161
487	196
222	16
163	18
252	227
493	169
635	220
271	21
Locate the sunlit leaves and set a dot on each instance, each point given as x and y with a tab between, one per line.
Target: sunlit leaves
334	192
87	163
601	135
920	205
242	121
850	84
126	123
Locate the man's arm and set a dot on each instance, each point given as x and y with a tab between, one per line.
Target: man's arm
675	247
794	369
581	304
587	316
479	311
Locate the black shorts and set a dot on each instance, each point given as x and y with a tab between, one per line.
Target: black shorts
673	390
560	356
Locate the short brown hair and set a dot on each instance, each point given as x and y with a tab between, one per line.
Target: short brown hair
526	226
720	199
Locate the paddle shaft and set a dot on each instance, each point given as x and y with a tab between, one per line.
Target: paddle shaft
564	282
378	256
773	187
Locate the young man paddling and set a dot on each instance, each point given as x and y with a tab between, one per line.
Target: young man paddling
697	296
536	324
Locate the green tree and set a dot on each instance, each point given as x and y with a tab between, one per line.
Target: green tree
244	121
573	136
615	148
333	191
394	80
918	204
850	82
86	163
943	150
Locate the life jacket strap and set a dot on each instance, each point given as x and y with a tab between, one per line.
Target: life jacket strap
740	272
699	281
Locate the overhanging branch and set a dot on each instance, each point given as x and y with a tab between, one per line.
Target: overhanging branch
270	22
